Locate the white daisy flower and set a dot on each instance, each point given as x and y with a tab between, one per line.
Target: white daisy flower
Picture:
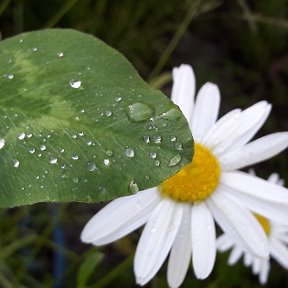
277	243
180	214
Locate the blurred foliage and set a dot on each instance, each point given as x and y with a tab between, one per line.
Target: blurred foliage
240	45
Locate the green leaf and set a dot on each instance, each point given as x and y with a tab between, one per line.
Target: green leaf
87	268
79	124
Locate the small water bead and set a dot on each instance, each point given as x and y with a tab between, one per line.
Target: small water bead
89	143
172	114
118	99
80	134
82	110
2	143
10	76
37	177
21	136
152	155
53	160
157	163
133	187
34	49
146	139
32	150
173	138
60	54
75	180
109	153
42	147
29	135
75	84
90	166
39	155
178	146
140	112
174	160
129	152
16	163
108	113
107	162
62	150
62	166
75	157
74	136
157	139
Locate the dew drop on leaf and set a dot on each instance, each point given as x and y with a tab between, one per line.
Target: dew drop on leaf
32	150
133	187
109	153
21	136
140	112
90	166
157	163
42	147
106	162
75	84
75	157
60	54
174	160
146	139
16	163
53	160
178	146
129	152
2	143
152	155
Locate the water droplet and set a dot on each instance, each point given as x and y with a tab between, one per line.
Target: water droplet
62	166
109	153
133	187
29	135
10	76
34	49
62	150
157	163
108	113
21	136
75	180
140	112
32	150
53	160
173	138
90	166
16	163
157	139
42	147
129	152
118	99
174	160
2	143
60	54
75	84
80	134
82	110
152	155
89	143
75	157
146	139
172	115
74	136
106	162
178	146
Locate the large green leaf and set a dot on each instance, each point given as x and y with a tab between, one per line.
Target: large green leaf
79	124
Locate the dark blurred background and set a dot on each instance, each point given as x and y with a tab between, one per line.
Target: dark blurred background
240	45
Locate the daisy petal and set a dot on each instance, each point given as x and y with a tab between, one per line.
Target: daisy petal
180	254
224	243
235	255
263	276
256	265
206	110
255	187
275	212
203	240
238	132
255	152
183	90
239	224
156	240
248	259
211	139
279	252
120	217
274	178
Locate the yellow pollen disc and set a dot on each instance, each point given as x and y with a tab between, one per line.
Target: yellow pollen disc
196	181
264	223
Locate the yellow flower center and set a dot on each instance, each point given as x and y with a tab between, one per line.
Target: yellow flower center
264	223
196	181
